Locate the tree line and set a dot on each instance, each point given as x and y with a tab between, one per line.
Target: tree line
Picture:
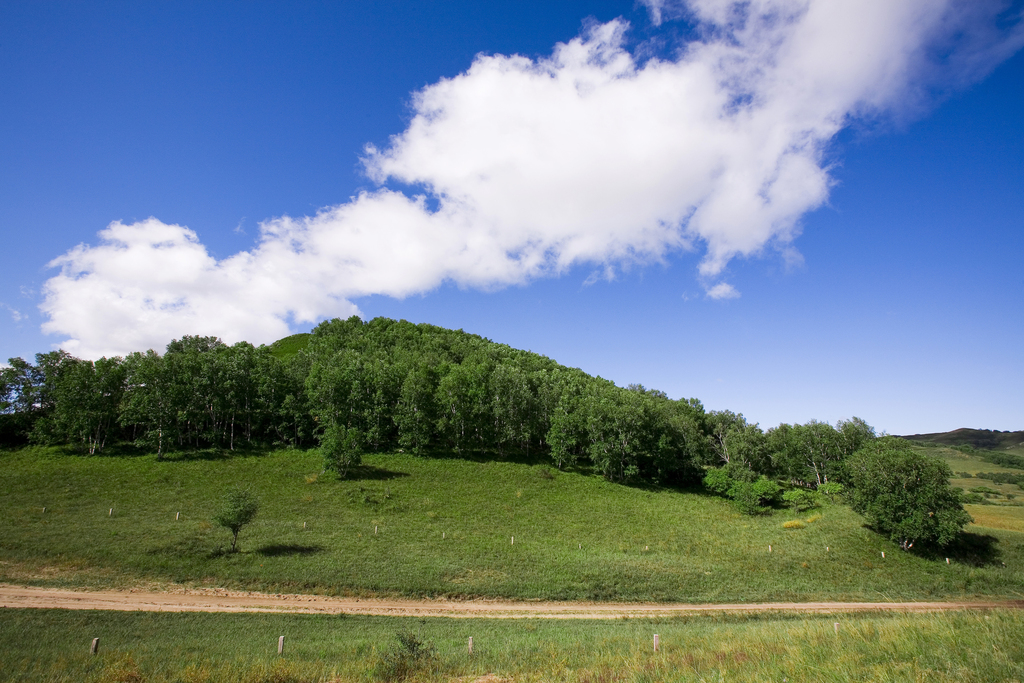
386	385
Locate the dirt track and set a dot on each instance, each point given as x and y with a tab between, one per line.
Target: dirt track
240	601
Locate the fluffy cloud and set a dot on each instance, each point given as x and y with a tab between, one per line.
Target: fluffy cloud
723	290
528	167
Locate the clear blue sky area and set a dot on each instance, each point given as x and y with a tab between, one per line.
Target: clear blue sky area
906	308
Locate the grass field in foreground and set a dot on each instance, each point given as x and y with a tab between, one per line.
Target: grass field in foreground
53	645
444	527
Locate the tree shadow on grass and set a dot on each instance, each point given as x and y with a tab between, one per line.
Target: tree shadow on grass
975	550
480	455
283	549
212	454
371	473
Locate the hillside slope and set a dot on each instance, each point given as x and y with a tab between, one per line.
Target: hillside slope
985	439
420	526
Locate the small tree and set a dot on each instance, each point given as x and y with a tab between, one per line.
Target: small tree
341	448
240	508
904	494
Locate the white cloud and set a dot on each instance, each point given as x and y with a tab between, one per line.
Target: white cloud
654	8
530	167
723	290
16	315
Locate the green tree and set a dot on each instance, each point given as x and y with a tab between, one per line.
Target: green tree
239	508
341	448
567	434
148	407
905	495
415	412
461	399
86	400
21	400
512	405
813	453
622	427
731	438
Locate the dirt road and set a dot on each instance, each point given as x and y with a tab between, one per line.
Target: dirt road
214	600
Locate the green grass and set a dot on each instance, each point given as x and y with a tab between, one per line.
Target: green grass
53	645
289	346
577	537
1005	494
964	462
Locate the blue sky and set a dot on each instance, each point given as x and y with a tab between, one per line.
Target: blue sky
880	276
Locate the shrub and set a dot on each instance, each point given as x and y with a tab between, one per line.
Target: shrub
984	490
755	498
752	494
717	480
802	499
831	489
409	657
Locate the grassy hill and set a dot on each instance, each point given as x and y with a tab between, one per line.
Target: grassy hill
438	526
289	346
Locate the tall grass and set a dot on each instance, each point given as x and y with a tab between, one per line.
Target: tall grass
444	527
52	645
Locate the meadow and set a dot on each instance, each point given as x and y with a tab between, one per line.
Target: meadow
413	526
197	648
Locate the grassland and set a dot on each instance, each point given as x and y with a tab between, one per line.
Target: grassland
215	647
444	527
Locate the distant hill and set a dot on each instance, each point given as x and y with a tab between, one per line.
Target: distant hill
289	346
983	439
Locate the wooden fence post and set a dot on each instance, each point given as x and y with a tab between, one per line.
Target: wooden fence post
280	645
95	647
655	642
471	645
